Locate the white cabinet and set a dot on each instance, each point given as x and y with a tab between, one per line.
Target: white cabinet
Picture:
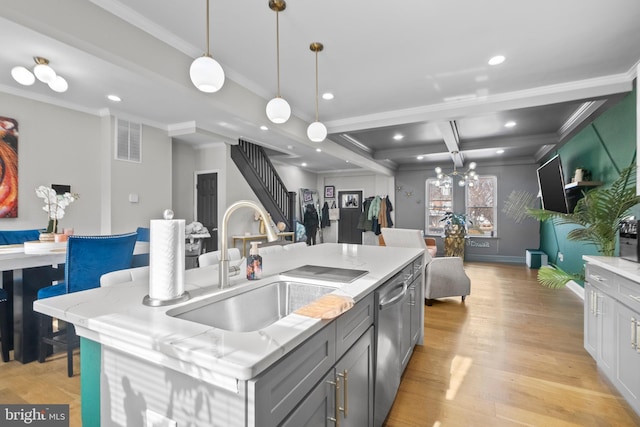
600	327
612	329
628	354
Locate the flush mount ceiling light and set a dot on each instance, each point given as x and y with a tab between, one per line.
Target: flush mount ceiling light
316	131
205	72
445	180
497	60
278	110
510	124
43	72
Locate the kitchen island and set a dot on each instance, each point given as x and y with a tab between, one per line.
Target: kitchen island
139	361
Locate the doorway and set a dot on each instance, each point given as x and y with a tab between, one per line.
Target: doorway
207	208
350	203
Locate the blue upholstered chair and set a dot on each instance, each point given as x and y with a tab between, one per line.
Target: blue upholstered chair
141	260
143	234
88	258
4	324
15	237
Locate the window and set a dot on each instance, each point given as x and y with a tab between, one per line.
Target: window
438	202
480	201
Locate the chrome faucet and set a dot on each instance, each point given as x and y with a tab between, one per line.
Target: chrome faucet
223	268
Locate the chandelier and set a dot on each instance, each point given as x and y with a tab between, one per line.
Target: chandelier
446	180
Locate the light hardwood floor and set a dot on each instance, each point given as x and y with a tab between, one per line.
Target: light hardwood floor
511	355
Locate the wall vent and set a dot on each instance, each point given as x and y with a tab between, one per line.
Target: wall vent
128	141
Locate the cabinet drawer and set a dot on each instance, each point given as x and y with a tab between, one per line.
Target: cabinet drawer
629	294
279	390
352	324
600	277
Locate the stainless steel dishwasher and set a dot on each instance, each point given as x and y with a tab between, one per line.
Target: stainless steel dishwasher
390	299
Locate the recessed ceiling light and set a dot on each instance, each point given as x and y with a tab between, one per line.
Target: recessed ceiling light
497	60
114	98
510	124
303	164
398	136
327	95
263	127
318	150
347	161
420	157
499	151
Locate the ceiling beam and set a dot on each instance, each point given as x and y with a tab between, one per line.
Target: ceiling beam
510	142
449	132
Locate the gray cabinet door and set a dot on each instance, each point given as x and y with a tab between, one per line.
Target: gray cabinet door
354	373
628	356
345	394
415	301
317	408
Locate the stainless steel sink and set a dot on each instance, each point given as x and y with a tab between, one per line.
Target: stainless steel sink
254	309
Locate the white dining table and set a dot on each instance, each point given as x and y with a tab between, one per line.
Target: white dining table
23	274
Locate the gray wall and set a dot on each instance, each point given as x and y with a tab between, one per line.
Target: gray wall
512	240
58	145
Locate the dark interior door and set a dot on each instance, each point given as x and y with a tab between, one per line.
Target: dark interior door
207	205
350	203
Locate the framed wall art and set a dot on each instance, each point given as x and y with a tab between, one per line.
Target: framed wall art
329	191
8	167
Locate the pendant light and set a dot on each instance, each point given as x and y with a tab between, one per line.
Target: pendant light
278	110
316	131
206	74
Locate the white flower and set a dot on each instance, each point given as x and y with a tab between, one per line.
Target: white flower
55	204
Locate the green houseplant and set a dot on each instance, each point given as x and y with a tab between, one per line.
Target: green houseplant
455	232
599	215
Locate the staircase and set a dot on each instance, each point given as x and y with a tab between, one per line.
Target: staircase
257	169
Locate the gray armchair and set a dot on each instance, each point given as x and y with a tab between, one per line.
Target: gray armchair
443	276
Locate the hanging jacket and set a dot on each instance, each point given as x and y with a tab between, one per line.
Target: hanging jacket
364	223
324	219
374	209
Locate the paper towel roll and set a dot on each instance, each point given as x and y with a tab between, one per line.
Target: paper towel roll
166	259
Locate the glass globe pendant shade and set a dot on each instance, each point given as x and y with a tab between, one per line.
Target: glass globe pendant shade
23	76
461	183
59	84
44	73
206	74
317	132
278	110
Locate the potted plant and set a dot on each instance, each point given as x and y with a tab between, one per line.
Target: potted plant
55	205
599	214
455	233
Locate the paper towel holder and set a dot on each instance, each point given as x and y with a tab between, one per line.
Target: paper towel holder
155	302
158	302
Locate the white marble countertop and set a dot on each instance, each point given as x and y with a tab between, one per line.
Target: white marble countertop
620	266
116	317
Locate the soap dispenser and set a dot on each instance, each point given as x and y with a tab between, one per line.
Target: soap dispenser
254	263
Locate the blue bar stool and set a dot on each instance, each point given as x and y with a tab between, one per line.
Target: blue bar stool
88	258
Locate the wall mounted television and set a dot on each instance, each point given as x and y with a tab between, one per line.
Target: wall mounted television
551	184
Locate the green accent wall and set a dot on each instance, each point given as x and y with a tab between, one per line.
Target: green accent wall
606	146
90	362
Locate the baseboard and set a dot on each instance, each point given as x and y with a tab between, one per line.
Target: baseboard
494	258
576	288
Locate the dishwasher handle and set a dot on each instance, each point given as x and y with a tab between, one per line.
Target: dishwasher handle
396	298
